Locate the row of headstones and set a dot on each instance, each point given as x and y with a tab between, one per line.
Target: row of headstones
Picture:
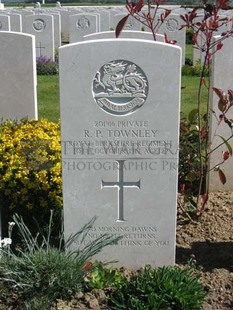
25	77
119	133
75	23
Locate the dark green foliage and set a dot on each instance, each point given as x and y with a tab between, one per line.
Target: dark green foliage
188	61
101	277
189	161
195	70
189	36
167	288
41	273
189	174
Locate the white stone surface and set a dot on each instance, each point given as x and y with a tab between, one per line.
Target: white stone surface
112	13
223	27
15	22
221	78
57	29
120	125
131	24
64	24
171	27
5	23
18	96
42	27
82	24
130	34
104	20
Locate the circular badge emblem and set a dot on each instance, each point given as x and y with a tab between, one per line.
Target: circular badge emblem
39	25
172	24
120	87
83	23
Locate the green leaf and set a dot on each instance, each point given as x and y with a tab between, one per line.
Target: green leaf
193	115
227	145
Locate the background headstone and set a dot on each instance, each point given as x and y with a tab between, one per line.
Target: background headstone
15	22
171	27
131	24
142	35
120	124
82	24
57	29
18	96
221	78
5	23
42	27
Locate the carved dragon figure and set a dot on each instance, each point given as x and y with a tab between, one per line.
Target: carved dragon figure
115	80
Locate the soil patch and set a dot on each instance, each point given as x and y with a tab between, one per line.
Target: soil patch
208	242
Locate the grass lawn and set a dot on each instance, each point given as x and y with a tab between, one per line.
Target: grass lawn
48	96
189	51
189	95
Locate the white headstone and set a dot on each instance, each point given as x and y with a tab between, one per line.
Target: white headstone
82	24
130	34
16	22
197	54
42	27
201	38
24	14
5	23
113	12
57	29
18	97
131	24
104	20
171	27
64	24
221	78
120	125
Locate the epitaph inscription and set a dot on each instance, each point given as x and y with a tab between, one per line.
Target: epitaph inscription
120	87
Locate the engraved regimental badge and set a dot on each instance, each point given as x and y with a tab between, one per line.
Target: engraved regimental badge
120	87
171	24
39	25
83	23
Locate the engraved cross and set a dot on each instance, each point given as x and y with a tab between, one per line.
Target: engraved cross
40	48
120	184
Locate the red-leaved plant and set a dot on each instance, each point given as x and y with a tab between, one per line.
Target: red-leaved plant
195	143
